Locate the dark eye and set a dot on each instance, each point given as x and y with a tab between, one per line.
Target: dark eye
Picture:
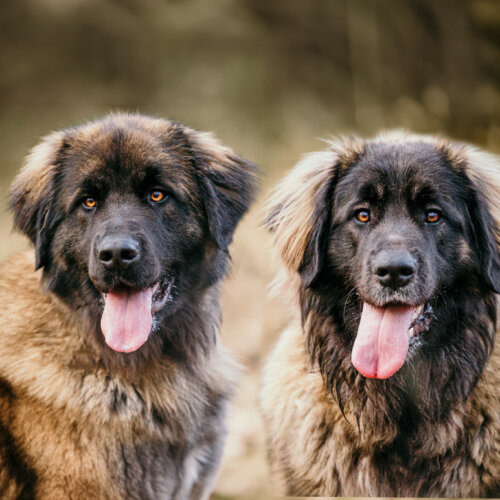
432	216
362	216
90	202
156	196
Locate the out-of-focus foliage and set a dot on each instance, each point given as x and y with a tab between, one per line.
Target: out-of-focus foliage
256	71
269	77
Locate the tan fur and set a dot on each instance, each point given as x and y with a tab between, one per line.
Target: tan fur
300	416
61	413
294	200
35	174
484	169
310	443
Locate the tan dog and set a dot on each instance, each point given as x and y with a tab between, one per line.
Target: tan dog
386	382
113	382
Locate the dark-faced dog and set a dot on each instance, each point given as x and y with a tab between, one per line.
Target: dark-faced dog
387	382
113	384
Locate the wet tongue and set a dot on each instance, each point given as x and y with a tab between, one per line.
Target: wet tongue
127	319
382	341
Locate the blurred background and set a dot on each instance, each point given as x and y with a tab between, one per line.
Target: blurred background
270	78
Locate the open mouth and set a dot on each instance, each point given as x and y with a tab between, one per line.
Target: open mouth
421	320
161	294
384	334
127	319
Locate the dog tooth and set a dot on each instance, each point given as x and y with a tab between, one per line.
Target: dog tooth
410	333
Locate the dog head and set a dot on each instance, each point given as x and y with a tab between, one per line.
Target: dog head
389	229
131	218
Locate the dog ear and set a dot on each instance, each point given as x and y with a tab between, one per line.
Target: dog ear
300	212
228	183
315	250
487	237
33	194
483	169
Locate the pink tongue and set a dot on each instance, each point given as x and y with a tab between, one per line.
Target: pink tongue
382	341
127	319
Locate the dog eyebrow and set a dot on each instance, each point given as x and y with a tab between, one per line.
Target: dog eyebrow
352	194
422	193
371	192
151	176
94	186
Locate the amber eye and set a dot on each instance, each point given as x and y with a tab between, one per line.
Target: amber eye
362	216
157	195
432	216
90	202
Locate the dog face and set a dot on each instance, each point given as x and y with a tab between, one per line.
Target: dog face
394	237
131	218
396	228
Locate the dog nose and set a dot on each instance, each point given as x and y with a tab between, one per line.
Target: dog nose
118	252
394	269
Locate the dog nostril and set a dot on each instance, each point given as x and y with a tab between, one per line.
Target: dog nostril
406	270
381	271
128	254
105	256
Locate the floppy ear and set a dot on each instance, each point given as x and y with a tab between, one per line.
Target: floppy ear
33	194
300	211
315	250
483	169
228	183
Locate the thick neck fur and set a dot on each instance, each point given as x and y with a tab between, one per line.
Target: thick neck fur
435	379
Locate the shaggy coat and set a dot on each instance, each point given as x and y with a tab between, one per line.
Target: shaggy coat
432	428
77	418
